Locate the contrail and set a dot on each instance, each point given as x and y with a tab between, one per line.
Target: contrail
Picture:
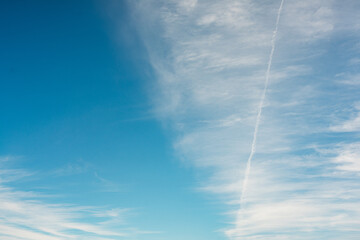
261	105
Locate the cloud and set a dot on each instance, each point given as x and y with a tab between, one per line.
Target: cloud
309	20
31	215
350	79
351	125
77	167
107	185
187	5
210	67
348	158
354	61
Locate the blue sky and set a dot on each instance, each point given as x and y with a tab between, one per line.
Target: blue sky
178	120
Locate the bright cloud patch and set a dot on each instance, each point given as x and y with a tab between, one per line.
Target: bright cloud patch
210	67
348	158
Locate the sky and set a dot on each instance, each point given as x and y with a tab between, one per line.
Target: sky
180	119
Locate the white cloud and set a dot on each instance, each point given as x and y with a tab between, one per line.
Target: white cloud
354	61
210	74
187	5
350	125
348	158
350	79
26	217
308	20
77	167
30	215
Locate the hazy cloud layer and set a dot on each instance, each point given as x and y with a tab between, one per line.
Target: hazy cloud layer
210	60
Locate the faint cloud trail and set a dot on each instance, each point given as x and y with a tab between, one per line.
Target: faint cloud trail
261	105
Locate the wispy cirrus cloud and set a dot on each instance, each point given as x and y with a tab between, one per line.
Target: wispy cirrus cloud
352	125
348	157
72	168
31	215
210	63
349	125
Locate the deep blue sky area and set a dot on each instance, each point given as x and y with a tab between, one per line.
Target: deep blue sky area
76	113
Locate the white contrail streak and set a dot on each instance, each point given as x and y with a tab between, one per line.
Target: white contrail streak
261	105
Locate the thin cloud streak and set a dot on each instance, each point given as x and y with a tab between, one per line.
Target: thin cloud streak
261	105
30	215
